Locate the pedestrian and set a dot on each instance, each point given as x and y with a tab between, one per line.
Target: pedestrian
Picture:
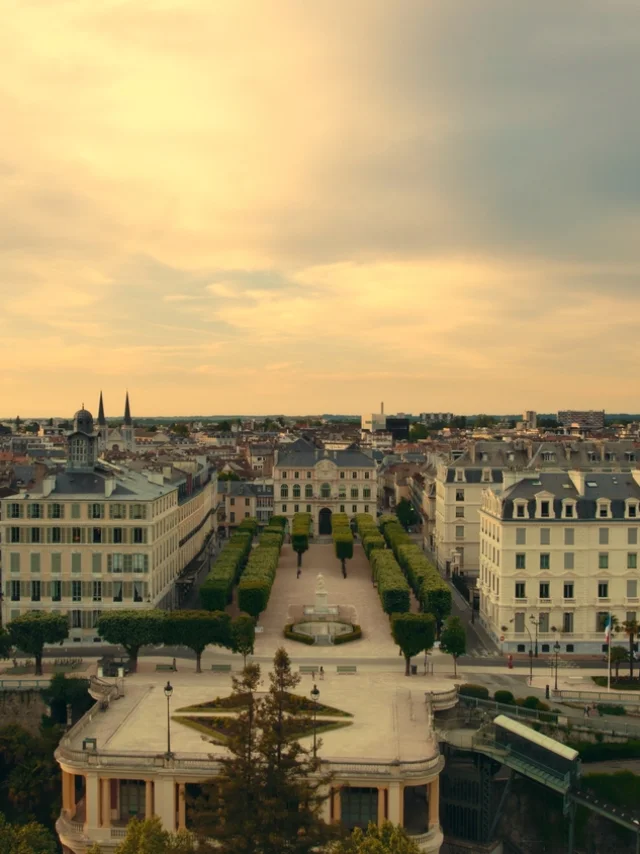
298	573
321	672
175	666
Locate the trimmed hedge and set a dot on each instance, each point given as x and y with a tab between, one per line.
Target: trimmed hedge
471	690
257	580
392	585
300	532
249	524
601	752
278	522
297	636
355	634
216	590
504	697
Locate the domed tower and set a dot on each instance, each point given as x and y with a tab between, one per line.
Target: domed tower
82	442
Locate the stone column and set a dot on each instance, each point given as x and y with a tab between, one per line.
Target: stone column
381	811
182	807
165	802
396	793
148	798
105	786
434	803
92	801
66	792
336	805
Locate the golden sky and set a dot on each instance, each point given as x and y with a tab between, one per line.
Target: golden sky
285	206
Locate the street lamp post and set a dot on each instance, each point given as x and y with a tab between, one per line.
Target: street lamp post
556	649
168	691
530	650
315	693
536	623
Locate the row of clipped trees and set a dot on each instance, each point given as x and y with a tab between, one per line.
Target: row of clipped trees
256	580
342	539
300	534
195	630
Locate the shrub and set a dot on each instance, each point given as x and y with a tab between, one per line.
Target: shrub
249	524
471	690
216	590
531	703
354	634
392	586
607	709
504	697
606	750
257	580
297	636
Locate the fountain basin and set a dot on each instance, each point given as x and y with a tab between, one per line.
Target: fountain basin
323	631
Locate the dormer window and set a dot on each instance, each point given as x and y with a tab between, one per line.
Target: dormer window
521	510
484	456
632	509
610	457
604	509
544	509
569	509
592	457
630	456
548	457
486	475
511	456
459	475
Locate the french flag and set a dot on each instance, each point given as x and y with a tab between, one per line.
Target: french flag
607	630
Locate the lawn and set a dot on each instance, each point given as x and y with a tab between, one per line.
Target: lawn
622	683
219	727
295	703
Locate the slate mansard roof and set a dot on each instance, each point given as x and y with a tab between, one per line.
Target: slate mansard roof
617	488
302	454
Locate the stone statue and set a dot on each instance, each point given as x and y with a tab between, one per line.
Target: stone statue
320	585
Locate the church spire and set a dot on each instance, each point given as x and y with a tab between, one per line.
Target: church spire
127	411
101	419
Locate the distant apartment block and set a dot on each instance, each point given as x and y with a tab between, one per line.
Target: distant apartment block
246	499
436	417
591	419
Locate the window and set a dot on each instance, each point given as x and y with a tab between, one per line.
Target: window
96	535
520	511
56	511
632	560
15	535
284	491
366	475
632	511
459	475
544	509
545	561
56	535
354	508
76	619
117	535
308	475
76	535
354	492
632	588
567	625
486	475
138	511
296	475
14	562
35	535
459	532
632	536
76	562
138	591
342	508
232	517
75	511
139	563
521	561
56	562
325	490
568	560
15	511
34	562
117	591
15	591
97	591
358	806
56	590
366	492
603	560
459	512
117	511
521	590
308	491
603	536
545	536
247	501
631	617
116	561
568	510
567	590
544	589
284	508
34	511
308	508
97	511
354	475
341	475
366	508
521	536
602	618
96	563
284	475
543	622
76	591
459	494
296	490
296	508
138	535
569	536
518	622
232	502
603	590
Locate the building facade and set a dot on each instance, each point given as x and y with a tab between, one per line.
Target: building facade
590	419
117	438
96	537
244	499
558	554
312	480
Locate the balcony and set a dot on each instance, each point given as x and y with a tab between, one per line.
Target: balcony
544	601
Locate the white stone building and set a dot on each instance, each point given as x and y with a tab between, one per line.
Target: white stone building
312	480
96	537
558	553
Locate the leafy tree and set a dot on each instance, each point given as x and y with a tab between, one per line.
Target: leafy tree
5	643
32	630
484	421
418	431
197	630
63	691
132	630
180	429
413	633
343	545
453	640
618	655
31	838
227	475
149	837
550	422
631	628
29	775
387	839
267	798
243	636
406	513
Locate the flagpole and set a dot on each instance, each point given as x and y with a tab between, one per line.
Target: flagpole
609	655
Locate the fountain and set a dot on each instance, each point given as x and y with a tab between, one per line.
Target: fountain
321	620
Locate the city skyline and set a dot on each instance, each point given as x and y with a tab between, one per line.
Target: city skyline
286	208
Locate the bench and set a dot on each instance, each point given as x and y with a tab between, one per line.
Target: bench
169	667
309	668
221	668
346	668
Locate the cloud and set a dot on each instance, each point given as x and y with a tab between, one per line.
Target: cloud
436	203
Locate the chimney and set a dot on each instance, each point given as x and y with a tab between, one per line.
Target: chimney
382	408
578	480
472	451
109	485
529	451
567	451
48	485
